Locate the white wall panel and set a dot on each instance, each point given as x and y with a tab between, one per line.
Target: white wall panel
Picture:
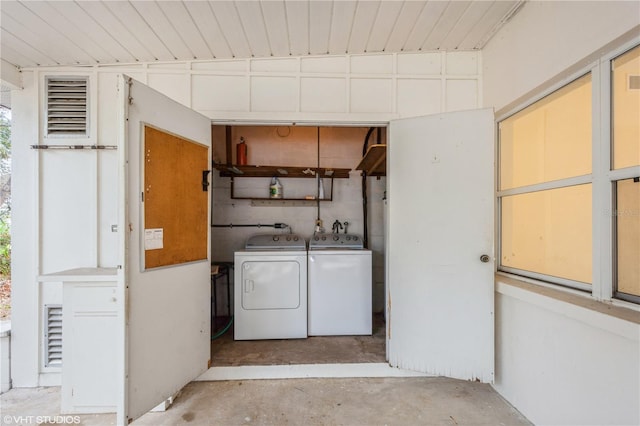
175	86
419	97
372	64
424	63
563	363
462	63
220	93
274	94
328	64
239	65
323	94
371	95
275	65
68	178
107	170
461	95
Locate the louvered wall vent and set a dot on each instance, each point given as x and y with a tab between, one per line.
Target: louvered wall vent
634	82
67	106
53	336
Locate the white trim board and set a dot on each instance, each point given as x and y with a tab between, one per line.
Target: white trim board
305	371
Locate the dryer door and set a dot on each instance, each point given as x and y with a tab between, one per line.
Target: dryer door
273	284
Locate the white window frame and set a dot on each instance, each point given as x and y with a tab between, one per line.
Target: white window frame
602	178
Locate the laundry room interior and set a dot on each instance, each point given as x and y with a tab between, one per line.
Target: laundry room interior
333	198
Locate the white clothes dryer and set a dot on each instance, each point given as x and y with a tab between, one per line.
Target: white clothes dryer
270	286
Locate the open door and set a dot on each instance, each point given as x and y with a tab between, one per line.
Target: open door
440	244
165	276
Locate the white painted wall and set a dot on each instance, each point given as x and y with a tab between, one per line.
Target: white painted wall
65	202
558	363
544	39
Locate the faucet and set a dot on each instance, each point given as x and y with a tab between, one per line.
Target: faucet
336	227
346	224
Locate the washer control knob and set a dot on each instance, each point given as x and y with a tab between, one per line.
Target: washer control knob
348	237
276	238
324	238
296	238
336	238
316	238
355	238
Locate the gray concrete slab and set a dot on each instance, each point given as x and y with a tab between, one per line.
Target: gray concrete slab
359	401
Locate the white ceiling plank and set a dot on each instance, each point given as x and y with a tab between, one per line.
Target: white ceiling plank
208	26
14	57
476	38
447	22
465	24
298	24
383	25
363	25
319	26
152	28
93	30
406	21
427	21
185	27
254	29
341	26
23	23
117	29
25	50
68	29
275	18
227	17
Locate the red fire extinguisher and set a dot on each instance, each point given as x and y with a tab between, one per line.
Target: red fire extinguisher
241	152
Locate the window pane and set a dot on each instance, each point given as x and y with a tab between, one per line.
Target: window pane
628	236
549	140
549	232
626	109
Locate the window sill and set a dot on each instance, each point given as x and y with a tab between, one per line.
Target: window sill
616	319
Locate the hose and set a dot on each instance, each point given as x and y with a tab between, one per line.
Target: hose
224	330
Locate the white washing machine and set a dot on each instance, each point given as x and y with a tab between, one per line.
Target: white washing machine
270	283
340	286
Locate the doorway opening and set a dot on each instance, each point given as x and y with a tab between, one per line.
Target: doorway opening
246	158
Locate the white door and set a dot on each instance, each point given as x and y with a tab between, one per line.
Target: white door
165	316
440	223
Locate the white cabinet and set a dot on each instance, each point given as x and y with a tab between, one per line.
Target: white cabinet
89	323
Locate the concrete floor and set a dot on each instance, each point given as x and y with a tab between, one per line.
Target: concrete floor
360	401
313	350
308	401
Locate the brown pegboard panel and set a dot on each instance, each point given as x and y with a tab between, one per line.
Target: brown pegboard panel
174	200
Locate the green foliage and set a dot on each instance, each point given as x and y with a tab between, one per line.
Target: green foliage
5	250
5	193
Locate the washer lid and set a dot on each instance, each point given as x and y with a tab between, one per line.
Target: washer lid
333	241
276	242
